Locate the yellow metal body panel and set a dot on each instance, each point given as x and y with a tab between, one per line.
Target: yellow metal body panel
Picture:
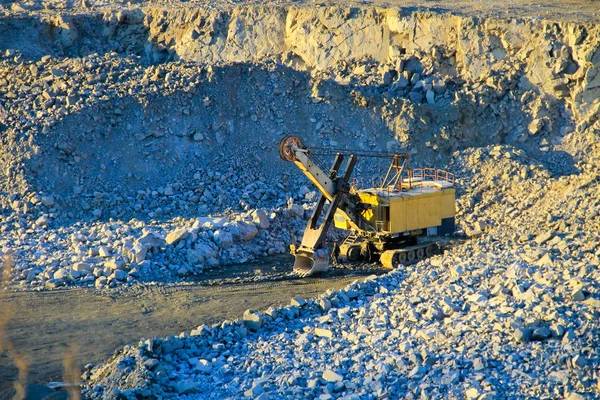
420	211
340	222
369	198
415	210
448	203
372	199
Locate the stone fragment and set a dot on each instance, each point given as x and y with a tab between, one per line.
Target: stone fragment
535	126
204	366
543	237
72	99
42	221
430	97
151	363
522	335
151	240
439	87
478	364
296	301
473	393
61	273
569	336
255	390
54	283
120	274
325	304
223	239
435	313
260	218
417	372
545	260
82	267
330	376
578	295
101	282
477	298
47	201
115	263
415	97
386	78
541	333
174	237
295	211
312	383
136	252
186	387
103	251
326	333
592	302
245	231
252	320
580	361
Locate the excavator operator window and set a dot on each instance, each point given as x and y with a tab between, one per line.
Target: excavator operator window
386	213
385	217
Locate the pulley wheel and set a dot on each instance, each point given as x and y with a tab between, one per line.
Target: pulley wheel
285	147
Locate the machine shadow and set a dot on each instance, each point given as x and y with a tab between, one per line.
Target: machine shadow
121	150
121	154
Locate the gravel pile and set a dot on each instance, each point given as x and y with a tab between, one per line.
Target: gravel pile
139	143
510	313
108	254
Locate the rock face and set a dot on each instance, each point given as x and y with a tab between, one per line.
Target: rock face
477	50
114	115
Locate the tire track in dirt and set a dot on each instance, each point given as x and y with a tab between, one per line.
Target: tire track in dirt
46	324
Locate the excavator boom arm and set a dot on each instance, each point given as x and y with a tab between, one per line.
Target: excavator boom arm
310	256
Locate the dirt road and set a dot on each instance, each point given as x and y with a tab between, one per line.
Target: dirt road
45	325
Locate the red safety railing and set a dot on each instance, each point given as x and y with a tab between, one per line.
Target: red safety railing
432	174
412	177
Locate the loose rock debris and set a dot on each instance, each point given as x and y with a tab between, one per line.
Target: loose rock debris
139	144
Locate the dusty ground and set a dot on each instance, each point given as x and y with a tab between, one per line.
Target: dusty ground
46	324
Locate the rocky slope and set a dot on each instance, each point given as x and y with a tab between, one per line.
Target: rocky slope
155	113
138	142
511	313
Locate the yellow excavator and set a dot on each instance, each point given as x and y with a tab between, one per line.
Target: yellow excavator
384	220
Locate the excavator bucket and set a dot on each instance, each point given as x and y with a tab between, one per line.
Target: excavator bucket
306	265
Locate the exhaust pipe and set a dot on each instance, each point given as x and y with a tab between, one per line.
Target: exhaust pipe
308	264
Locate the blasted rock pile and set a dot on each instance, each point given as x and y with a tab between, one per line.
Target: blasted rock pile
139	143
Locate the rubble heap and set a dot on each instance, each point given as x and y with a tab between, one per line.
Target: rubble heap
511	312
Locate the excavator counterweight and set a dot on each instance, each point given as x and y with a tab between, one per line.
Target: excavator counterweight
384	221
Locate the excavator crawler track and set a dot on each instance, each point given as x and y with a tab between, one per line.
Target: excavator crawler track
394	258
